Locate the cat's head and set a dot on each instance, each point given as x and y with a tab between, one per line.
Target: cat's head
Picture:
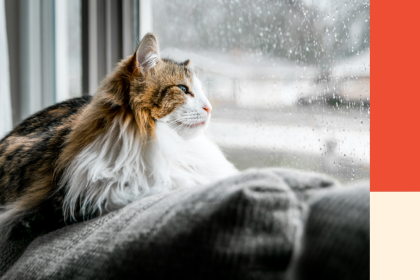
162	90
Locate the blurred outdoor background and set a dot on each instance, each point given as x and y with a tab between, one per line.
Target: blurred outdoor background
289	80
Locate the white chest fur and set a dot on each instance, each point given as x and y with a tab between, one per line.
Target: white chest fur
117	168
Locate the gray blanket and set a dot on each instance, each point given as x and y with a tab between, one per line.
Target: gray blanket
261	224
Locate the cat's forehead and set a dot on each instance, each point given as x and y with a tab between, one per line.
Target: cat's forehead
173	62
177	69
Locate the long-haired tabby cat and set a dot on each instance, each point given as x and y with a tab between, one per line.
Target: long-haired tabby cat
141	133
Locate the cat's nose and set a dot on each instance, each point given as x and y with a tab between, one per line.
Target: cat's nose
207	109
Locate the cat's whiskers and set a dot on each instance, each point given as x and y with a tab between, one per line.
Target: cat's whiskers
191	114
179	127
179	119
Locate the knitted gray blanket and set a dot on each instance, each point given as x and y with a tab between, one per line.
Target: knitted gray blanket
261	224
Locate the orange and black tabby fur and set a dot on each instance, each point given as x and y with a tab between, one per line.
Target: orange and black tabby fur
28	159
35	155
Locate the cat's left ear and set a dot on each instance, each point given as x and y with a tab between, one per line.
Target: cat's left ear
147	53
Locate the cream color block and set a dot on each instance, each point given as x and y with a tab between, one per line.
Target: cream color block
395	235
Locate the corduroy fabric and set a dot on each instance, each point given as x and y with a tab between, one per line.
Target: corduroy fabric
336	239
244	227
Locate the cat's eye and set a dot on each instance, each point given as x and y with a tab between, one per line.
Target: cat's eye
184	89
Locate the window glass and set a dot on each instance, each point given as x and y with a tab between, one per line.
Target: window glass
289	80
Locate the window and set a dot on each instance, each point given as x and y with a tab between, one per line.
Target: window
288	80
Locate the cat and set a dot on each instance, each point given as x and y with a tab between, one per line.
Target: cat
142	133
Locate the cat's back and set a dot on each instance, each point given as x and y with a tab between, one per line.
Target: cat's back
28	152
49	118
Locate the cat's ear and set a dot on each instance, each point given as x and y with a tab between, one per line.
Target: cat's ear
186	63
147	53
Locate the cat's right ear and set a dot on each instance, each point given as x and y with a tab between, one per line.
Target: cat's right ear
147	53
186	63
